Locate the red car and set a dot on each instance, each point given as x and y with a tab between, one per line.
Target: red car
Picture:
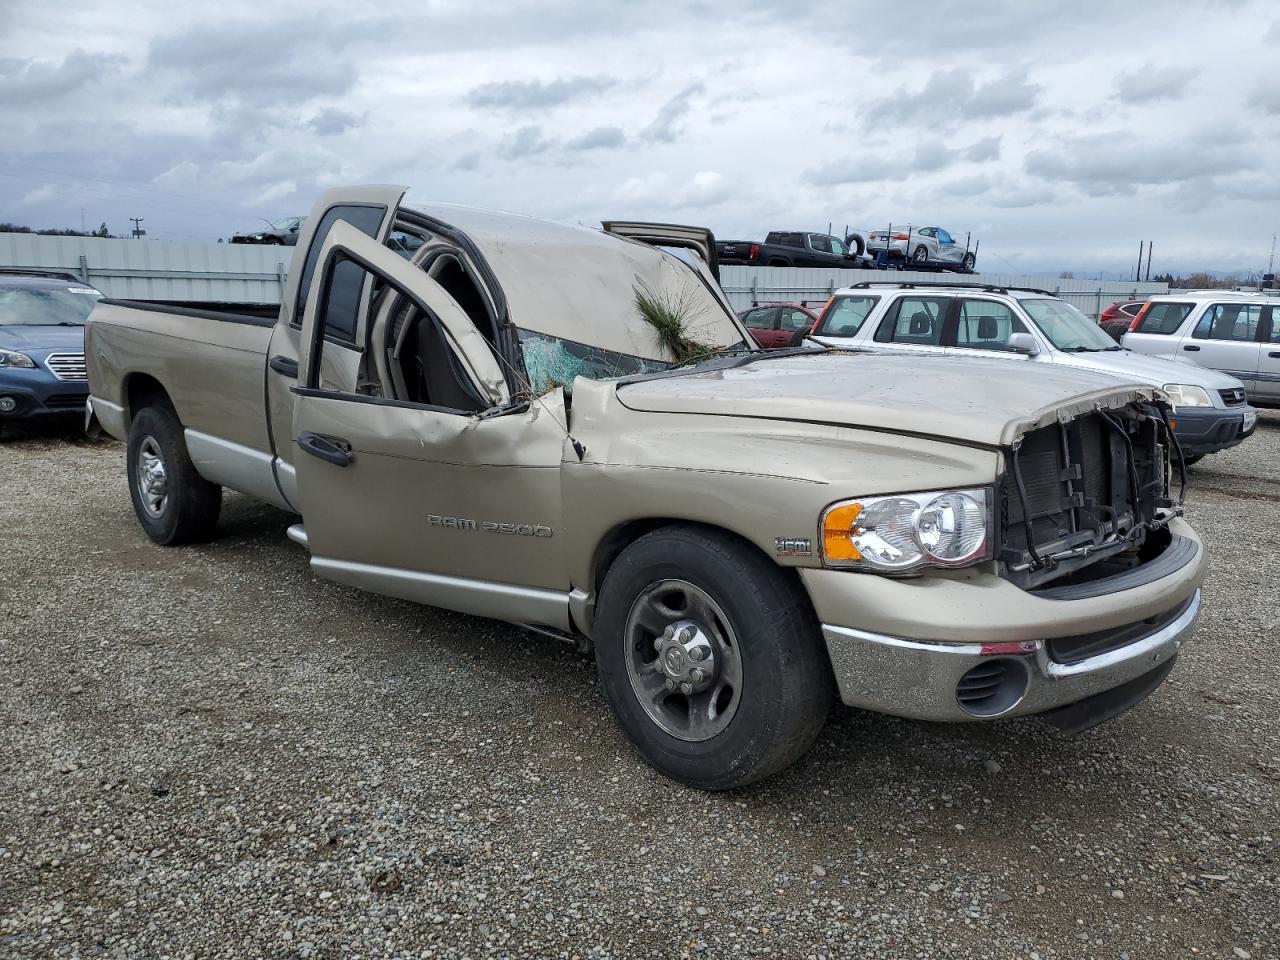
777	324
1125	310
1116	319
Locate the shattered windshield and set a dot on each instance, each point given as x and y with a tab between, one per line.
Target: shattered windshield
554	362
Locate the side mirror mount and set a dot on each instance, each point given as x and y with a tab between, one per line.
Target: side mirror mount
1023	343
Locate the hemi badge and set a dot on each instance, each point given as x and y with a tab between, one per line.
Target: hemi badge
793	546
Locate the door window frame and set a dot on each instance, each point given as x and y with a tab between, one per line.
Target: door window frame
310	387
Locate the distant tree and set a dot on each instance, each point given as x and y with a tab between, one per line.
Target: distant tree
1066	275
102	231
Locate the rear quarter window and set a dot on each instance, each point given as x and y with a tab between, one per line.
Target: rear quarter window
1164	318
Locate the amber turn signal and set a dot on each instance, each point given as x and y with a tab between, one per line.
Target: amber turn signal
837	532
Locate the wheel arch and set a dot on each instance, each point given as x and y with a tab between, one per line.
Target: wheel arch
141	390
622	535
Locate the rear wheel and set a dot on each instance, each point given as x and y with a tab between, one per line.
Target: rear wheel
921	254
173	502
711	658
968	262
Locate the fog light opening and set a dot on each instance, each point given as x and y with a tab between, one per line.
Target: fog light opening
8	404
992	688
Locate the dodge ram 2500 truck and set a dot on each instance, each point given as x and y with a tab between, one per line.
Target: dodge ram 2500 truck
495	425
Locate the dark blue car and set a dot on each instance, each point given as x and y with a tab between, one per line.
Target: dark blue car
42	373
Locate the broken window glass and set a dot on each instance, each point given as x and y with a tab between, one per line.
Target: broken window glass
555	362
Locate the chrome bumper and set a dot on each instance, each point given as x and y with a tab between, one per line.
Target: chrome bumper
919	679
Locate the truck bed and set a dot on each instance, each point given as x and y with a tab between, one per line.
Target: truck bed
210	362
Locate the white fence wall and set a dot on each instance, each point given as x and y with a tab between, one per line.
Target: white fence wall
747	285
247	273
157	269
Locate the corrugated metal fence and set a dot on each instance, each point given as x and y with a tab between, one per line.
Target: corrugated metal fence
748	285
246	273
157	269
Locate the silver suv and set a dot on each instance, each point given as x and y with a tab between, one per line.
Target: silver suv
1235	332
973	320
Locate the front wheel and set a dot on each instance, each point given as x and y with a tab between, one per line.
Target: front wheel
711	658
173	502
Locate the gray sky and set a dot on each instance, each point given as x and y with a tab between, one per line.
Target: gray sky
1061	134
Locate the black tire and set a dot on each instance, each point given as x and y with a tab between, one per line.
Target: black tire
779	262
968	262
188	510
920	255
1191	459
1116	329
785	681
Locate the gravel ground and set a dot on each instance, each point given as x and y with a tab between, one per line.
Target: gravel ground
209	753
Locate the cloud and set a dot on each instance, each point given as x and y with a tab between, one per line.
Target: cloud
707	188
30	82
1154	83
331	121
598	138
527	141
666	125
260	61
951	96
988	148
1266	96
522	95
1106	164
929	156
41	194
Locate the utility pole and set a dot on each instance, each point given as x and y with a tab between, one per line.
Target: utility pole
138	232
1271	264
82	229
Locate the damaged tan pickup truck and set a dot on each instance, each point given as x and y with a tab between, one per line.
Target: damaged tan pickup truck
471	410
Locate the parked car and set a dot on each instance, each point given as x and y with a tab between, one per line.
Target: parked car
1116	319
1124	310
783	248
922	245
42	371
281	233
778	324
1033	326
1236	333
737	536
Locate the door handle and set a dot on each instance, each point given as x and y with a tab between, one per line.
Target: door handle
1190	347
285	366
1274	354
329	449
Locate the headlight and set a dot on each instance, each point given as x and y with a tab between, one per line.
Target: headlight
1187	395
9	358
902	533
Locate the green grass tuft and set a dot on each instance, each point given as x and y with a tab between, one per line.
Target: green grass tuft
672	317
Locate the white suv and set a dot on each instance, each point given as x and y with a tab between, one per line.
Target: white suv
1031	326
1237	333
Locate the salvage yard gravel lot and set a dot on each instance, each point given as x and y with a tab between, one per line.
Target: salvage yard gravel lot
207	752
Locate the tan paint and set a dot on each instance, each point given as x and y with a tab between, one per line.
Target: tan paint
211	369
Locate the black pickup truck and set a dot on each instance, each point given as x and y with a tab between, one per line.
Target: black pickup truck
782	248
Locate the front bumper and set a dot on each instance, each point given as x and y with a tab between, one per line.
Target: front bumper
972	646
1204	430
928	681
40	396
